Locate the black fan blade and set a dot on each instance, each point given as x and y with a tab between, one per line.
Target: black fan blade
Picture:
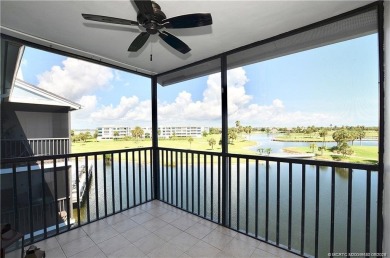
100	18
174	42
188	21
139	41
144	6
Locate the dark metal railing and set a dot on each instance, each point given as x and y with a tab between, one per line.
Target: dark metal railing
308	207
190	180
40	199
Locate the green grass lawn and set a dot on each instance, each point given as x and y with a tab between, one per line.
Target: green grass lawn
362	154
302	137
239	146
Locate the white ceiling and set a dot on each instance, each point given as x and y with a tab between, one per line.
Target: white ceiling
58	24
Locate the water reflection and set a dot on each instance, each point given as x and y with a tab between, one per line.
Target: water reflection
197	191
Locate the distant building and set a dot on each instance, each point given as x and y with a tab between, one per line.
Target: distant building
108	132
182	131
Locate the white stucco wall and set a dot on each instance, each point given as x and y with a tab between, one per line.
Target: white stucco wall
386	194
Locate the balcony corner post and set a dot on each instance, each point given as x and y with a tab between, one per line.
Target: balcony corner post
384	140
224	101
155	157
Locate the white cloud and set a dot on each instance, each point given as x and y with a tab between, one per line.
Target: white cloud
113	113
207	111
129	109
75	79
186	111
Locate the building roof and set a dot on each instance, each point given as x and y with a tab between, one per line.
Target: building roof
22	92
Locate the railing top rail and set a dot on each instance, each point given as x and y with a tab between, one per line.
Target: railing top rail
73	155
337	164
192	151
34	139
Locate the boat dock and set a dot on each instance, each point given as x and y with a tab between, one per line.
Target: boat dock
83	184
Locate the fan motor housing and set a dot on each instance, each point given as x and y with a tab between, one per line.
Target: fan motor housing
151	22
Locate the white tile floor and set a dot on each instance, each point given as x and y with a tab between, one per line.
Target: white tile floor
154	229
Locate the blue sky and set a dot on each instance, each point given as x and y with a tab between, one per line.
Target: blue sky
335	84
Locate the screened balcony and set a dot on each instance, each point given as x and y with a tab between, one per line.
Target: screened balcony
164	201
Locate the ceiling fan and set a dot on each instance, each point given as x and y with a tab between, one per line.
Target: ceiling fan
154	21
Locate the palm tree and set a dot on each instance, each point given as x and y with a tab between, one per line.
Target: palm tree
116	134
212	142
96	134
137	132
248	130
323	133
190	140
361	134
232	135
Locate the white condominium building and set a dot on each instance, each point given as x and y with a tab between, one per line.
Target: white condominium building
108	132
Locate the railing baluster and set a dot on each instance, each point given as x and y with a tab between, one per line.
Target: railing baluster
44	195
212	187
172	164
230	191
120	181
162	174
167	177
219	189
349	221
238	193
68	197
56	194
332	210
368	211
277	202
192	182
139	177
303	209
151	174
127	180
317	209
96	187
133	166
176	180
204	186
266	199
78	192
30	201
246	195
86	188
256	198
104	183
112	183
187	198
289	203
198	184
181	176
146	176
